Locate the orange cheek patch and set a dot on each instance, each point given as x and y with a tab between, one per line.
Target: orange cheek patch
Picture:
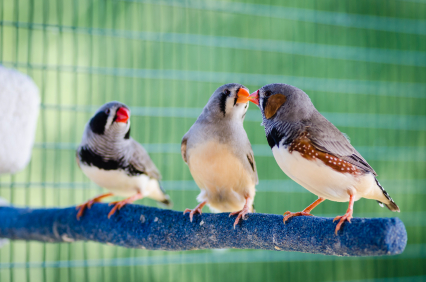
273	104
304	146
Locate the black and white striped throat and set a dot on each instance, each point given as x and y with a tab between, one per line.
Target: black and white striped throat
280	134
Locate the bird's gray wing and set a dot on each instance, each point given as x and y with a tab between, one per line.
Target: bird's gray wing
252	162
183	148
77	159
141	161
326	137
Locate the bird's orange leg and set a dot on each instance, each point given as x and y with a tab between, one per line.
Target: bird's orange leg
306	211
244	211
119	204
89	204
196	210
347	216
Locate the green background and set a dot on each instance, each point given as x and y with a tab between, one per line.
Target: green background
363	63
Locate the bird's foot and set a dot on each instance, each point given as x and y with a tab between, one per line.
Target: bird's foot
347	216
198	209
287	215
83	206
89	204
241	214
119	204
192	212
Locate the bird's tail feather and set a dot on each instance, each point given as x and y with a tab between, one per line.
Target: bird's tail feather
167	202
392	206
158	193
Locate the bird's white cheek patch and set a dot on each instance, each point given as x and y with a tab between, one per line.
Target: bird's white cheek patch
109	122
234	111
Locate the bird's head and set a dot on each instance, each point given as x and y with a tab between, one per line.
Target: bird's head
282	102
112	119
228	102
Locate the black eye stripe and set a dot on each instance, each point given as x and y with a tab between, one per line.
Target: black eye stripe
264	102
127	136
98	122
222	103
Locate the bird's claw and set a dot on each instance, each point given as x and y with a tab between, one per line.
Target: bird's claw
343	218
287	215
82	207
241	214
196	210
90	203
192	212
117	206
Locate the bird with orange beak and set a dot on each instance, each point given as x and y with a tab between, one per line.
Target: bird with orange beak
219	154
314	153
115	161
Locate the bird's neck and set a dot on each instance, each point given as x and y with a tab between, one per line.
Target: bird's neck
107	145
281	132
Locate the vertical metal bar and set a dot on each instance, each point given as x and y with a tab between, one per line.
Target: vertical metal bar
12	177
114	9
44	124
29	170
58	135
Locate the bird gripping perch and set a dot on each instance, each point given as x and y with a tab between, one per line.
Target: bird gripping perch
136	226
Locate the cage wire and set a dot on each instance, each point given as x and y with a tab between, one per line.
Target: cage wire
362	63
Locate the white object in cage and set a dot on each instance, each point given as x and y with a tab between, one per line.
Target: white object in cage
19	108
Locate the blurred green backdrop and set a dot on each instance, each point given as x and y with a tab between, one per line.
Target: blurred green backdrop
363	63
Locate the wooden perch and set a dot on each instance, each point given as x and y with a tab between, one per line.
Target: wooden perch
136	226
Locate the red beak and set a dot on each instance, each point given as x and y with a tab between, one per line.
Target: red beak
254	97
123	115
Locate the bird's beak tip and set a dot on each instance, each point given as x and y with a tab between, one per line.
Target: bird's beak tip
123	115
254	97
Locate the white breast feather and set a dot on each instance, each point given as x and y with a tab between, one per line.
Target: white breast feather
221	176
322	180
116	181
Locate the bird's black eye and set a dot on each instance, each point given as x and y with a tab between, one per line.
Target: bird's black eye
107	111
268	93
227	92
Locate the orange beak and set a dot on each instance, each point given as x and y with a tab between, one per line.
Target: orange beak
243	96
254	97
123	115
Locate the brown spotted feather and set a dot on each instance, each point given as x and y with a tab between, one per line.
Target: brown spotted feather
303	145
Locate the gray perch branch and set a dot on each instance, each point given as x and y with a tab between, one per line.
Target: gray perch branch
136	226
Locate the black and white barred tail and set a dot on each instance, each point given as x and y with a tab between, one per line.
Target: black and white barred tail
167	201
392	206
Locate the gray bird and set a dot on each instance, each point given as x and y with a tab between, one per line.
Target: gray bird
115	161
219	154
314	153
